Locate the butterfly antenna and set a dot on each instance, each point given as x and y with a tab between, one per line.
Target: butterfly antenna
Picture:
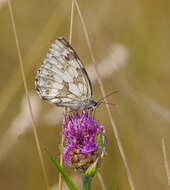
116	91
108	103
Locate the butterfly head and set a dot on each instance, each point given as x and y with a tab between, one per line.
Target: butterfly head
90	103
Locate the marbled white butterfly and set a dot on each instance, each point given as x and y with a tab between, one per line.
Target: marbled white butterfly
63	80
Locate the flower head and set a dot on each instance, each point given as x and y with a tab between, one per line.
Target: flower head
80	132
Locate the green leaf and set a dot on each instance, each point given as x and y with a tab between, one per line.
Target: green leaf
91	170
65	176
100	140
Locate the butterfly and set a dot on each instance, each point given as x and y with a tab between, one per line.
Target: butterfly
62	79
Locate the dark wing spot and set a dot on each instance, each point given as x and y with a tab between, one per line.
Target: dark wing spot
68	46
44	98
65	90
77	80
65	85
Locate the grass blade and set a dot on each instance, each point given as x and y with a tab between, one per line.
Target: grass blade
65	176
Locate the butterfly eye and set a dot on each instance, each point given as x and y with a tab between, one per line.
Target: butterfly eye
96	104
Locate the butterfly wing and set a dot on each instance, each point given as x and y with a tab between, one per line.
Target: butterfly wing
62	79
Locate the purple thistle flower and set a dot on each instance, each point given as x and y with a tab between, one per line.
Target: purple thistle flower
80	132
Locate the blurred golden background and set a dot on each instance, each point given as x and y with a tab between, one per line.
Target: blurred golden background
131	43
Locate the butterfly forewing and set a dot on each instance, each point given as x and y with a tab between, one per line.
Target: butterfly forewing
62	79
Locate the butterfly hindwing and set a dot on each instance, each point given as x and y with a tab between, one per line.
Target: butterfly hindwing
62	79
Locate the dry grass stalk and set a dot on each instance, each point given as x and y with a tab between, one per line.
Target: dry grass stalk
27	96
9	90
166	161
60	181
65	110
20	125
101	181
107	106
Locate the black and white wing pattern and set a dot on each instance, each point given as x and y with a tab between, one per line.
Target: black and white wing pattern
62	78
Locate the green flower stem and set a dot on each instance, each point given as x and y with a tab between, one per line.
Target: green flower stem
86	182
